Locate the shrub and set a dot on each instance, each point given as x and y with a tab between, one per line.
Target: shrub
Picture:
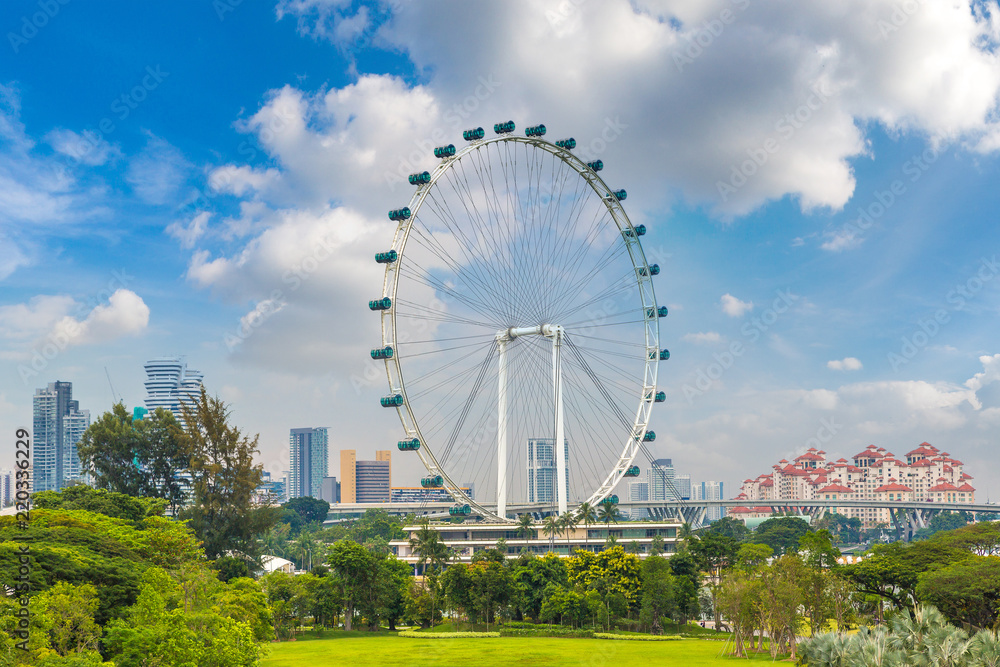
639	638
446	635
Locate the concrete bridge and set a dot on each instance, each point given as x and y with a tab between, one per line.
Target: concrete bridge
907	517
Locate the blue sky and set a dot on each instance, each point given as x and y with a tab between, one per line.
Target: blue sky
232	136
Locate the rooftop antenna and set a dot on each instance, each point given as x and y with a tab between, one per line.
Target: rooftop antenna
113	394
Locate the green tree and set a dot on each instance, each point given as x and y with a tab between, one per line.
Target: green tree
491	586
71	612
965	592
111	449
687	579
357	570
311	510
531	577
657	592
224	514
781	533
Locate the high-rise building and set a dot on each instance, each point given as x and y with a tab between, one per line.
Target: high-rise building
308	455
170	383
683	485
638	492
711	491
348	464
365	481
373	479
661	480
58	426
330	490
542	470
7	492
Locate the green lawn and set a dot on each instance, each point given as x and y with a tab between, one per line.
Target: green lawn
388	649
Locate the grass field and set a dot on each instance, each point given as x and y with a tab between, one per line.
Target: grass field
387	649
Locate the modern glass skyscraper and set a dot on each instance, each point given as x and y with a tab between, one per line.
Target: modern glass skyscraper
169	383
542	470
58	426
309	455
661	480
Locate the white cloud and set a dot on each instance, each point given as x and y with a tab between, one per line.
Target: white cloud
62	322
86	147
845	364
734	307
157	173
843	239
188	234
125	314
707	337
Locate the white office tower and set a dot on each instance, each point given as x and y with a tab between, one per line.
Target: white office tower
169	383
638	492
710	491
542	470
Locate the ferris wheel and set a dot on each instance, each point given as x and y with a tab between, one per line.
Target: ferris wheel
518	314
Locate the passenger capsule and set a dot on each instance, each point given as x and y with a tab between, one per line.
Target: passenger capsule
610	500
664	355
400	214
596	165
387	257
382	352
632	472
473	135
640	230
460	510
385	303
392	401
444	151
649	437
661	396
421	178
568	144
409	445
504	128
432	482
535	131
620	195
654	269
661	311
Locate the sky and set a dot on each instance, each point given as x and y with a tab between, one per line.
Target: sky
211	180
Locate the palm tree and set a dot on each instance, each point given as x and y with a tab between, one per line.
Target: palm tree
568	523
551	528
304	547
429	549
587	515
525	526
608	514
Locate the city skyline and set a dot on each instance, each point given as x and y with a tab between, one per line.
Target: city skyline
823	214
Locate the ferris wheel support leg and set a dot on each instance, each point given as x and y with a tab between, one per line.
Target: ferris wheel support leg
502	430
561	490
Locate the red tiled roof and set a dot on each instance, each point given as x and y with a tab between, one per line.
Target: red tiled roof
966	487
893	486
738	510
808	457
923	463
943	486
835	488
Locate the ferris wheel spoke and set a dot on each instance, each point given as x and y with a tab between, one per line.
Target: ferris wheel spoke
470	272
439	286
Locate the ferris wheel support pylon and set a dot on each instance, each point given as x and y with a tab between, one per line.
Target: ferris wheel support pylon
505	337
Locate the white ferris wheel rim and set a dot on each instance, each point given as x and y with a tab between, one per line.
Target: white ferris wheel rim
632	441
